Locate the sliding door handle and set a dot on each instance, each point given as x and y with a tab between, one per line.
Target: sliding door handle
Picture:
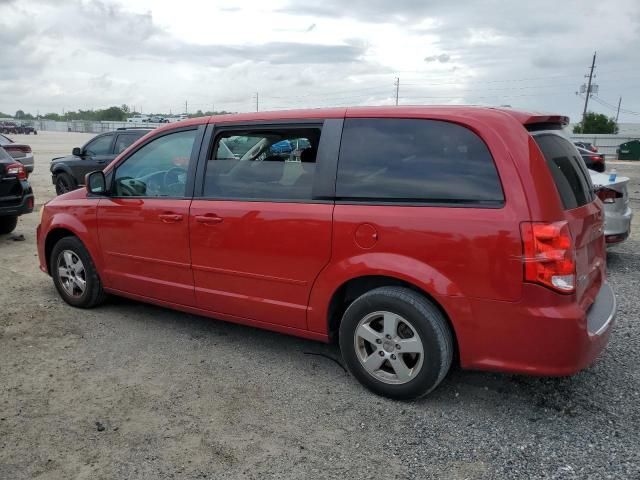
209	219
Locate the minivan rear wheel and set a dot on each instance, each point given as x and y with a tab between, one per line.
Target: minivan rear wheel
396	342
75	275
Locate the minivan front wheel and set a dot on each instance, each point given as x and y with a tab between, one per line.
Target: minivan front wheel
396	342
74	274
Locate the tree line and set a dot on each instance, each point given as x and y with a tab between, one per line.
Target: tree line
112	114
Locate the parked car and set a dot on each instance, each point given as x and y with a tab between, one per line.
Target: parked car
586	146
617	211
19	151
17	128
16	196
138	119
157	119
67	173
9	128
414	236
26	129
594	161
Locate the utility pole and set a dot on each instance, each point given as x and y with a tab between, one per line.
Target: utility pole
588	90
618	112
397	84
257	103
186	108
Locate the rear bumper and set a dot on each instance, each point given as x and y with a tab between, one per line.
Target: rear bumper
25	205
544	334
617	225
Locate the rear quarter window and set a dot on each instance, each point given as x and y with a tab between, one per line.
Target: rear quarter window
567	168
415	160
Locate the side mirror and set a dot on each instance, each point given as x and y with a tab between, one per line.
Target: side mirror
77	151
96	183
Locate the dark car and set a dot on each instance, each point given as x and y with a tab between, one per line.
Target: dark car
16	196
594	161
67	173
18	151
587	146
8	127
26	129
17	128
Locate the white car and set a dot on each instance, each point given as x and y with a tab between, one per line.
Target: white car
617	212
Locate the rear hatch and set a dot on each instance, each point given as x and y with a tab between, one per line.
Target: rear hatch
583	213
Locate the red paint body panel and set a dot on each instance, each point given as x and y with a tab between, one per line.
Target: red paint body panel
542	334
277	265
261	260
145	250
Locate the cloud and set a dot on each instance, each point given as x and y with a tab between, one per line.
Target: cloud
93	53
442	58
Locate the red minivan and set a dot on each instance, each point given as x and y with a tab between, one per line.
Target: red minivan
414	236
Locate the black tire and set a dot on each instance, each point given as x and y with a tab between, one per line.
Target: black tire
8	224
64	183
428	323
93	294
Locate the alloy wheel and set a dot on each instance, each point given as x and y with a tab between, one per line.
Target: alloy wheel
71	273
389	347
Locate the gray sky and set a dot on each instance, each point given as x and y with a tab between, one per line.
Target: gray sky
156	54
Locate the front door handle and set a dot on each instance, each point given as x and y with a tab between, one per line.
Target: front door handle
170	217
209	219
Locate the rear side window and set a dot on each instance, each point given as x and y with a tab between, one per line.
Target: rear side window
567	168
124	141
266	164
415	161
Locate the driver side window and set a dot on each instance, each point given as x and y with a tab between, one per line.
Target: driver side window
158	169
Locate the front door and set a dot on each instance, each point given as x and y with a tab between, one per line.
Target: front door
258	238
95	156
144	224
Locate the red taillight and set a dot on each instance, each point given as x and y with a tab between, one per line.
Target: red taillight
597	158
549	257
608	195
18	148
18	170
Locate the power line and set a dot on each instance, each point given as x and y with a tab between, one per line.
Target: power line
612	107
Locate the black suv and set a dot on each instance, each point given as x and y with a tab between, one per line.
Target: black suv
16	196
67	173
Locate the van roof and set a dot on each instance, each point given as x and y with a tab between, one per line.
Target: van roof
523	117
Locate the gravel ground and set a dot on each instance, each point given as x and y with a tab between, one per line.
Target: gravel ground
134	391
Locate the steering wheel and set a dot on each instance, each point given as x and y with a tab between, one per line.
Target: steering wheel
127	189
172	175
